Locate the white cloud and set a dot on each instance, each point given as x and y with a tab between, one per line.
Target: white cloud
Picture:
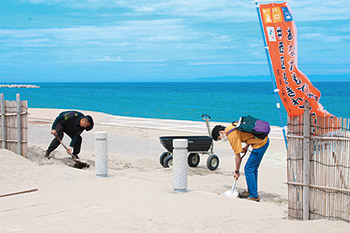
122	34
226	63
345	62
311	10
325	37
229	9
108	59
205	9
151	41
119	59
177	31
145	9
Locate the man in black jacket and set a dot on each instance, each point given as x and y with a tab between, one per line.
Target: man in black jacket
72	123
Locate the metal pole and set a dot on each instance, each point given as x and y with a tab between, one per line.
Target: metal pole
18	125
207	118
274	86
3	129
180	164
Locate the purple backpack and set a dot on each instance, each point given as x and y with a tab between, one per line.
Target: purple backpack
260	129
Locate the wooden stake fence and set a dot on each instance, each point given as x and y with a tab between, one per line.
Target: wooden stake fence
14	125
318	167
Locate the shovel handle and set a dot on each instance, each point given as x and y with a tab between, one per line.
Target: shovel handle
76	160
65	147
234	185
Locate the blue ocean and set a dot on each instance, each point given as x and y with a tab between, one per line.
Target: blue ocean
223	101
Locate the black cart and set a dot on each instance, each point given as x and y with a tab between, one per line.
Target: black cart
196	145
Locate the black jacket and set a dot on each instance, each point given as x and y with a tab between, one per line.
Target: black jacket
70	123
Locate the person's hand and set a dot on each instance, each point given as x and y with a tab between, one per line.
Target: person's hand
236	176
53	132
70	150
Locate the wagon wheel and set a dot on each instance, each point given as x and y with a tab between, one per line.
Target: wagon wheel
193	159
213	162
168	161
162	157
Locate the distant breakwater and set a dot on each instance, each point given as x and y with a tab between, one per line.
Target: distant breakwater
18	86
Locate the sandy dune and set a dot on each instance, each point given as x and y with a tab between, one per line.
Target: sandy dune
137	195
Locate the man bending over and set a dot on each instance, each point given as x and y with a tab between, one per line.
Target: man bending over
72	123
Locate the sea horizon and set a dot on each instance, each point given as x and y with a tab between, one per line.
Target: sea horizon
249	78
223	101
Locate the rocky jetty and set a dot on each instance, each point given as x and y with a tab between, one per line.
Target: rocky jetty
18	86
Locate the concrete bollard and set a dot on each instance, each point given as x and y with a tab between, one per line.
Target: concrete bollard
180	164
101	154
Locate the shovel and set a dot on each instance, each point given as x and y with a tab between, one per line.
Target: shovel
233	192
78	164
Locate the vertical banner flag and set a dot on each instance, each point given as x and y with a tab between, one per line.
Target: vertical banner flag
281	38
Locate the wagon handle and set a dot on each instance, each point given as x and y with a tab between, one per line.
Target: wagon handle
204	116
207	118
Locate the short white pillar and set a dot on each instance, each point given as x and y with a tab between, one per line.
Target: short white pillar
101	154
180	164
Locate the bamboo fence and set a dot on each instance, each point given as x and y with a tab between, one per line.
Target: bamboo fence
318	167
14	125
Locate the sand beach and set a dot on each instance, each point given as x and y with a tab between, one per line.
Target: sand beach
137	195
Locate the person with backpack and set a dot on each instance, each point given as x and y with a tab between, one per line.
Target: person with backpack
73	123
251	134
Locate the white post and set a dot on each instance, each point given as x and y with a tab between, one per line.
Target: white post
180	164
101	156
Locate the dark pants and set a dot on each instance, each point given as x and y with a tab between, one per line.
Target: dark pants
55	143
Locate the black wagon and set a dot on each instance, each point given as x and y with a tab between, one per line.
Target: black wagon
196	145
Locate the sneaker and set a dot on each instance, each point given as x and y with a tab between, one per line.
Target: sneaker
257	199
47	155
75	156
243	195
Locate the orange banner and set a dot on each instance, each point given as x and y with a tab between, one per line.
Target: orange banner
281	38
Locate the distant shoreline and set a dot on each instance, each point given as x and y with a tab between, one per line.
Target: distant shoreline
18	86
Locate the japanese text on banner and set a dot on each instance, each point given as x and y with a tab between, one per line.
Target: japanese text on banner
281	38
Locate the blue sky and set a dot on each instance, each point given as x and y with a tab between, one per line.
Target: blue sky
132	40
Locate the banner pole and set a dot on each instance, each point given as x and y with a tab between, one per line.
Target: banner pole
274	86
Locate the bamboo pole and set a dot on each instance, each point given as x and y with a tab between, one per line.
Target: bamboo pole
299	168
15	141
18	124
320	138
346	206
318	207
288	162
306	162
342	184
323	181
3	129
24	128
312	174
319	187
21	192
